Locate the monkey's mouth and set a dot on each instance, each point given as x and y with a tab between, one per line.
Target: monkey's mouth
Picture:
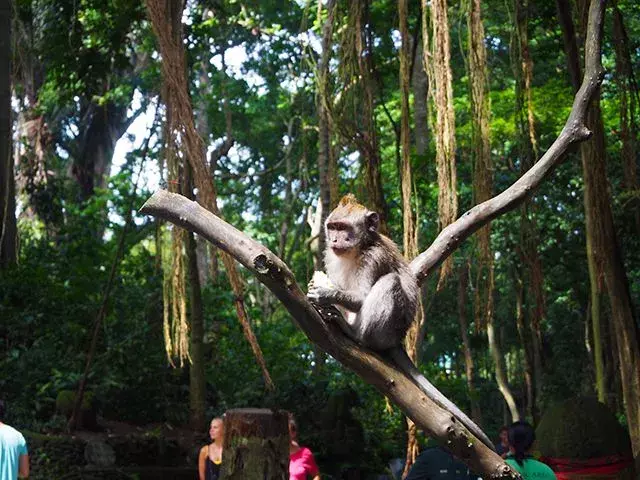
339	250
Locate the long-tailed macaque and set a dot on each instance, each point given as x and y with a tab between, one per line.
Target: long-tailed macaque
374	289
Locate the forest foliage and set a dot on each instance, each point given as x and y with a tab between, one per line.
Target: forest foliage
88	120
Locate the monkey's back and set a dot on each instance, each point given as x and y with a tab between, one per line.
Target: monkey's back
382	258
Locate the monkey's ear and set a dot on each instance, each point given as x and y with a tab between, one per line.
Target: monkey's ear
372	220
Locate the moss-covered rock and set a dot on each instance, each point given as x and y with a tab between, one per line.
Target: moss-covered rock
129	456
52	456
65	401
147	450
581	428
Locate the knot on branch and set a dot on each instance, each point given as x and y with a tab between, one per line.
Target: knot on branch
503	471
262	264
458	439
583	133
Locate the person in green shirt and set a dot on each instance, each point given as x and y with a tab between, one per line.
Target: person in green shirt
521	438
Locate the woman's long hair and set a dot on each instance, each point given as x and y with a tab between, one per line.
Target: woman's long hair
521	437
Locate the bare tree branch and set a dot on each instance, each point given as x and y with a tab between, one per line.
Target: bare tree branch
319	327
574	131
373	368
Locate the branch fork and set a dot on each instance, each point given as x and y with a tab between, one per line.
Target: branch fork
317	323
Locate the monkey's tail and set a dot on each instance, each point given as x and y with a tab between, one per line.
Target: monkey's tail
400	357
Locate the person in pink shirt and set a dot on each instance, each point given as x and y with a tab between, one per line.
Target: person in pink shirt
302	465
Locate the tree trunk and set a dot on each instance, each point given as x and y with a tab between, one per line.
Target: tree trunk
256	445
463	281
197	381
8	230
483	190
501	375
206	253
412	340
166	17
602	246
482	164
370	149
521	323
327	171
104	126
604	242
629	91
420	83
531	311
442	91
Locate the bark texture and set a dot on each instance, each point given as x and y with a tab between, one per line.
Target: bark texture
327	170
629	92
531	303
441	82
413	340
606	268
482	164
469	366
197	380
8	230
165	17
256	445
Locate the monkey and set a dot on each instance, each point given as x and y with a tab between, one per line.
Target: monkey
372	286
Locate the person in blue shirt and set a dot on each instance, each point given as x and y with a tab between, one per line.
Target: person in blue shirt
14	458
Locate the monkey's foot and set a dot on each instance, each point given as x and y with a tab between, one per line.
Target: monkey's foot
329	312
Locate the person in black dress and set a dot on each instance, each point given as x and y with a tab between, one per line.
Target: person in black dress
210	457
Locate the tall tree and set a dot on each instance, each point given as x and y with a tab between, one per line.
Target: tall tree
482	191
482	188
370	147
441	82
410	244
166	18
354	111
8	230
327	170
197	380
530	295
469	366
629	92
420	84
606	269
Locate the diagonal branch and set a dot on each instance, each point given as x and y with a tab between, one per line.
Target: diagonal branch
574	131
374	369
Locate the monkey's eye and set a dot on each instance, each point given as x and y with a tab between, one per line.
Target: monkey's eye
339	226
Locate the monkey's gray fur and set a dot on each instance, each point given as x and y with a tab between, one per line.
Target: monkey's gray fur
375	291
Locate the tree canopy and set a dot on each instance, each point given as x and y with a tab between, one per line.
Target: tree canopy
295	104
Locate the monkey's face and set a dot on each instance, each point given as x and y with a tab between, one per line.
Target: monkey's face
348	234
350	227
341	237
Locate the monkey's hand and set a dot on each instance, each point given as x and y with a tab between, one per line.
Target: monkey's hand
321	295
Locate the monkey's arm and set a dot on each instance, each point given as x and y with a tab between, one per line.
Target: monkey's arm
350	300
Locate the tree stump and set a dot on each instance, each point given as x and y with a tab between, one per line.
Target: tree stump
256	445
